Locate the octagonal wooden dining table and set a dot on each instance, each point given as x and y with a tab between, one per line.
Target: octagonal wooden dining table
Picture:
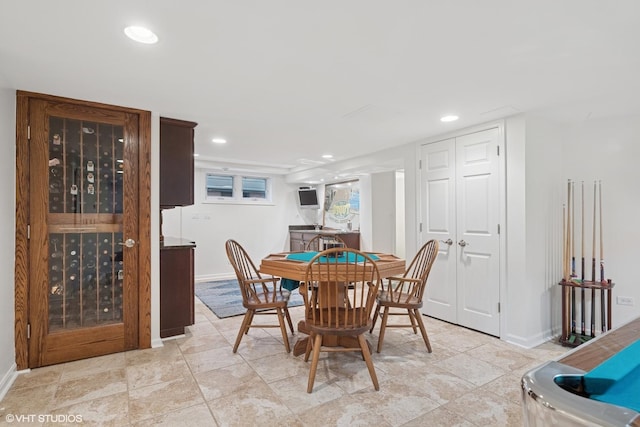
281	265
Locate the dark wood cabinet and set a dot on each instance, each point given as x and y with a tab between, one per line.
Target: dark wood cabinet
176	255
298	239
176	286
176	162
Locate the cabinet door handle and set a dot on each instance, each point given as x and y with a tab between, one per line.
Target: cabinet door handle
448	242
462	243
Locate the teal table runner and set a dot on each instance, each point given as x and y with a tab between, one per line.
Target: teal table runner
291	285
306	257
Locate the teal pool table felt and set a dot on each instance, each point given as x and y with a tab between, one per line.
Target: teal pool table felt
617	379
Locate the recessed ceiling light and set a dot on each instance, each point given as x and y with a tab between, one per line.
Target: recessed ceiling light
327	156
195	154
141	34
219	140
449	118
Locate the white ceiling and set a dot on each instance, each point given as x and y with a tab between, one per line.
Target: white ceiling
286	81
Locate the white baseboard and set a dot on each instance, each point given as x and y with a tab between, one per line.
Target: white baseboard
214	277
157	342
7	380
529	342
174	337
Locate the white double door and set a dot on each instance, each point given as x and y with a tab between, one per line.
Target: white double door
460	207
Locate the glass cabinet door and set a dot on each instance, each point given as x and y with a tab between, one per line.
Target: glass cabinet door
86	265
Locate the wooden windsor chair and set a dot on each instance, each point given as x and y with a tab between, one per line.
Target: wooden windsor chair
405	293
260	295
339	293
322	242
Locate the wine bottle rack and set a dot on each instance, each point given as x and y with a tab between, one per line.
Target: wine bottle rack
86	275
85	167
85	188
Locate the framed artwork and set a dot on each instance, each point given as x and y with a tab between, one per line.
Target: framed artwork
342	205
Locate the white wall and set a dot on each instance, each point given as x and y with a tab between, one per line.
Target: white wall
7	230
264	229
383	211
366	206
609	150
260	229
541	157
155	230
534	230
513	324
400	228
411	156
545	184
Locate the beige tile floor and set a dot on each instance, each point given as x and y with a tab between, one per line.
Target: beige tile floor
470	379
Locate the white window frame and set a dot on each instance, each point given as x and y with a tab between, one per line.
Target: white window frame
220	198
238	197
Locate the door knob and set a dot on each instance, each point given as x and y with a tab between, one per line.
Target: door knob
128	243
448	242
462	243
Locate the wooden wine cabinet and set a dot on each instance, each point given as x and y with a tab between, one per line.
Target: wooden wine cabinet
86	269
85	279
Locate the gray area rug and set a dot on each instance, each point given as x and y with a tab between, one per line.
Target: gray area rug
224	299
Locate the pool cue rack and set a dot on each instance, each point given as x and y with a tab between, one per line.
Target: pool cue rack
572	336
575	264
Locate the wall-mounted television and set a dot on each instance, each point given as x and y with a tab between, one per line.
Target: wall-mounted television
308	198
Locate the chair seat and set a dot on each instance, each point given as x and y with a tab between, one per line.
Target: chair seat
399	299
278	298
354	329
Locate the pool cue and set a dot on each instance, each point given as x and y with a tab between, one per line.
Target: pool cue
583	266
570	303
593	266
602	304
573	229
566	323
564	242
572	213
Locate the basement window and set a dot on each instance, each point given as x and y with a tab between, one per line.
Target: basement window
219	186
238	189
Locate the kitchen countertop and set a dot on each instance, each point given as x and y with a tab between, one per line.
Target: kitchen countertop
311	229
174	243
